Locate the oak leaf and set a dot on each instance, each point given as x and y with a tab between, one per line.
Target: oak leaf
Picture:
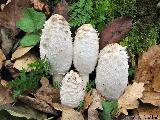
148	72
129	100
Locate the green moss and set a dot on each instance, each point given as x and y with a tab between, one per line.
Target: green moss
118	8
88	11
138	40
27	81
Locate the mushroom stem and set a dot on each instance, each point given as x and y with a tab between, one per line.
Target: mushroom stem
58	77
85	78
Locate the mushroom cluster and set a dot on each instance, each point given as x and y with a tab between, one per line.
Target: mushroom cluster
112	68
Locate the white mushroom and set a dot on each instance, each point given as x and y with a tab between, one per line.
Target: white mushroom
72	90
86	49
112	71
56	45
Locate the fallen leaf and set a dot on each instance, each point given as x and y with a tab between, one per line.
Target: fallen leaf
3	83
4	4
38	4
129	100
88	99
96	104
148	72
67	112
37	104
12	12
23	111
60	107
22	63
5	96
71	114
14	72
147	113
47	93
7	41
151	97
115	31
62	9
44	98
20	52
2	56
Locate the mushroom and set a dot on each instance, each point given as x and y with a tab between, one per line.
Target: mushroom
72	90
56	45
112	71
86	49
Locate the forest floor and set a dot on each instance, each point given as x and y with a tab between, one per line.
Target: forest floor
80	59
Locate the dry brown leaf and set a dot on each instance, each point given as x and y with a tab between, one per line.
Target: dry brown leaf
7	40
151	97
147	113
38	4
148	72
5	96
22	63
71	114
115	31
129	100
44	98
62	9
88	99
2	58
14	72
3	5
20	52
3	83
47	93
96	104
60	107
37	104
67	112
12	12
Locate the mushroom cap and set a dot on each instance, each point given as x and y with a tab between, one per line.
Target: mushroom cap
72	90
56	44
86	49
112	71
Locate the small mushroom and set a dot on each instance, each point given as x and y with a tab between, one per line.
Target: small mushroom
112	71
72	90
56	45
86	49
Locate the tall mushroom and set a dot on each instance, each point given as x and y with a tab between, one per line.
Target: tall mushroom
56	45
112	71
72	90
86	49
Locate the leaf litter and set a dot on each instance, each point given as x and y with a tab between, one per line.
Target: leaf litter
46	99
